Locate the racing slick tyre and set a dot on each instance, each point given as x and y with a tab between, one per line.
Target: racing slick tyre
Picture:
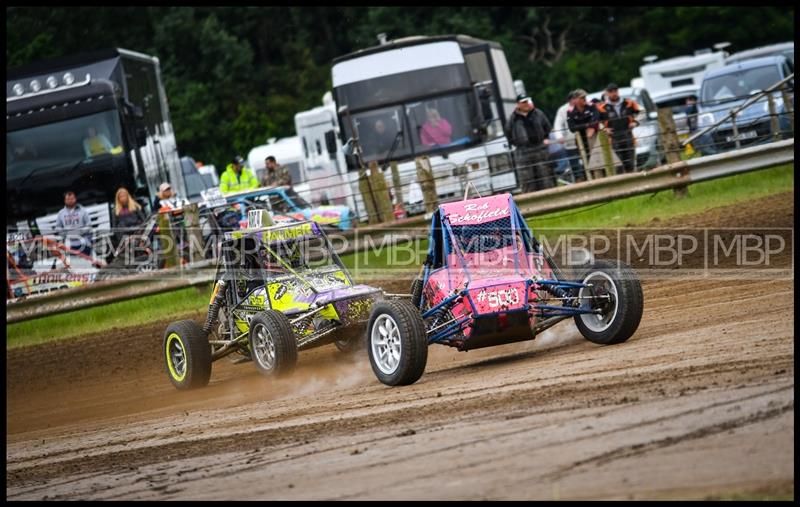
272	343
187	355
622	312
397	342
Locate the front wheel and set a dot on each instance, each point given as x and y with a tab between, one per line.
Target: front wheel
617	292
272	343
397	342
187	355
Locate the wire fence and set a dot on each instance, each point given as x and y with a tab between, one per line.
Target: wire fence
566	165
542	168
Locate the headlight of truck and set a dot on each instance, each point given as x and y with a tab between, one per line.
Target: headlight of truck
705	119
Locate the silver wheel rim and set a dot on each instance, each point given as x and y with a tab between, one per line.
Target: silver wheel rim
385	344
602	282
264	346
178	357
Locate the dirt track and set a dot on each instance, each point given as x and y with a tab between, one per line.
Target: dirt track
699	403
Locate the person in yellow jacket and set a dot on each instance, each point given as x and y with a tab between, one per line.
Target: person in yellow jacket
237	177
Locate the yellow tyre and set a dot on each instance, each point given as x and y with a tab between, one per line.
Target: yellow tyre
187	355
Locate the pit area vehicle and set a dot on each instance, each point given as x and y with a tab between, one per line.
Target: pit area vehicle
734	85
42	264
286	205
487	281
280	289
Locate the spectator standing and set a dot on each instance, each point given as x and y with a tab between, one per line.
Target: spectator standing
527	129
73	225
276	174
163	197
128	214
237	177
567	138
620	118
583	119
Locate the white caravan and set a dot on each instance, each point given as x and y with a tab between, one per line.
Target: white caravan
287	152
323	159
671	81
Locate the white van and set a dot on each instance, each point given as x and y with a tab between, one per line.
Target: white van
287	152
324	163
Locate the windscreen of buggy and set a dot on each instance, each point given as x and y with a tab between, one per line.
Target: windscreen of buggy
481	238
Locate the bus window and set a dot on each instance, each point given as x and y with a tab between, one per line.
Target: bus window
441	122
379	132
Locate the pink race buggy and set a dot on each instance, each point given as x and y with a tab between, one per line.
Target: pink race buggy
487	281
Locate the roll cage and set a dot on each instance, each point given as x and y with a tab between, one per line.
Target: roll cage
447	250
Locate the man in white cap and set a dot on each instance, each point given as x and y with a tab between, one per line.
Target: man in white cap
164	197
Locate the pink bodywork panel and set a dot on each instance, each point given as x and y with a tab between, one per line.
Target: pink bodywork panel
477	211
495	284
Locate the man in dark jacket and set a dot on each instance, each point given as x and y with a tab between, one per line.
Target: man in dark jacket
527	129
583	119
620	117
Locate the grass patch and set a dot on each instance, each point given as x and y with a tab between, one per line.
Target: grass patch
631	211
625	212
643	208
131	313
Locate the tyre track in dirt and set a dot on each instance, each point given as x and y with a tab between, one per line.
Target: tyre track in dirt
504	422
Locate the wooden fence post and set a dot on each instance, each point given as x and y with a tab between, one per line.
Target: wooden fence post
398	188
191	220
375	194
427	183
608	158
166	238
381	190
368	196
584	156
787	104
773	118
670	143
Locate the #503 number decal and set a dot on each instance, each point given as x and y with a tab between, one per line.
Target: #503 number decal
501	297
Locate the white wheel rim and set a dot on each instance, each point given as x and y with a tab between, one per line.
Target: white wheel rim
599	322
385	344
264	347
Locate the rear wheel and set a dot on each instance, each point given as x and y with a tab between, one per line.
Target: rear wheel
397	342
617	293
350	339
272	344
187	355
